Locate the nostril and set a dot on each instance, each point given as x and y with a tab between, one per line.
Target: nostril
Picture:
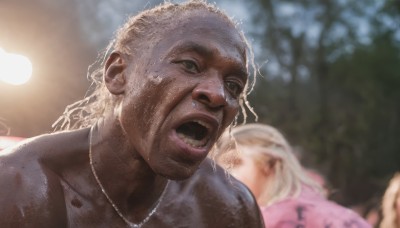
203	97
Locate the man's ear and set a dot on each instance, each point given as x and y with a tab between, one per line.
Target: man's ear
114	73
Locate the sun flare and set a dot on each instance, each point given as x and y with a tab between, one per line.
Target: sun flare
14	69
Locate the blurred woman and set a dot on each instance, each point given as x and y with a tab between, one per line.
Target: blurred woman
391	204
260	157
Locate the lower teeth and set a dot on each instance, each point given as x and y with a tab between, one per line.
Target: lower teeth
192	142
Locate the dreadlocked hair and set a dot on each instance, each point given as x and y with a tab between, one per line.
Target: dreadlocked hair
141	31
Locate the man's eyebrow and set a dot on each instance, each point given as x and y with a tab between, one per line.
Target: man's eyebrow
242	73
190	46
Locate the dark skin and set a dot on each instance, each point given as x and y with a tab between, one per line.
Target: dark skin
193	76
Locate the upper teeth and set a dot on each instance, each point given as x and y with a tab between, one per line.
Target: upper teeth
204	124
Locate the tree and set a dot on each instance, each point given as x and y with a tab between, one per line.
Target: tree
317	87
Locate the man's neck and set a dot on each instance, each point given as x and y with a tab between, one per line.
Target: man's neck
122	174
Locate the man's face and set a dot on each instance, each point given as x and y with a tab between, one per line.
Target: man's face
183	92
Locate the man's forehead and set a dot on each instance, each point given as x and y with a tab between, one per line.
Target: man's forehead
204	41
191	45
205	23
205	34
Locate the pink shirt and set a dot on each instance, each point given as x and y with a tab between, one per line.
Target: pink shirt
310	210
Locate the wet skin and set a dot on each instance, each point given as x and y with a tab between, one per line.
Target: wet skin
197	72
177	98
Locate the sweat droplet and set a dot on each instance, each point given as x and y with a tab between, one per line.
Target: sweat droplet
156	78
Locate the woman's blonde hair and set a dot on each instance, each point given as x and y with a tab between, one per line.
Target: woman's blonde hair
269	147
390	219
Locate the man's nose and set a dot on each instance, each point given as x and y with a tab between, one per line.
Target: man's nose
210	92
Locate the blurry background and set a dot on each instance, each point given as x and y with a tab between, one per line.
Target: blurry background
330	75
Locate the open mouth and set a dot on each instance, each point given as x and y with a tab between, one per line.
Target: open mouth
194	133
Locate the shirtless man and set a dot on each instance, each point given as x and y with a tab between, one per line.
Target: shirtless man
137	156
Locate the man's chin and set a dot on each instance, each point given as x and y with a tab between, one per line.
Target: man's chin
178	171
181	176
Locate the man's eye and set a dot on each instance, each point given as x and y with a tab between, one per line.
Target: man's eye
234	88
190	66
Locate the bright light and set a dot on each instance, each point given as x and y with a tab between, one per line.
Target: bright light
14	69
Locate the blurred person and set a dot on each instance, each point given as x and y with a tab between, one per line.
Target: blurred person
133	153
391	204
318	178
370	210
260	157
373	215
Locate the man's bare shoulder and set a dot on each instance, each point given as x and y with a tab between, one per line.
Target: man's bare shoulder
232	191
219	197
218	180
20	162
55	149
31	189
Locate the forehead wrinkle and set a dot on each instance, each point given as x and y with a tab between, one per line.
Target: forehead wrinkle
190	46
196	25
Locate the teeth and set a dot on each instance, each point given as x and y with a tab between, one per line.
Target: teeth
193	142
204	124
